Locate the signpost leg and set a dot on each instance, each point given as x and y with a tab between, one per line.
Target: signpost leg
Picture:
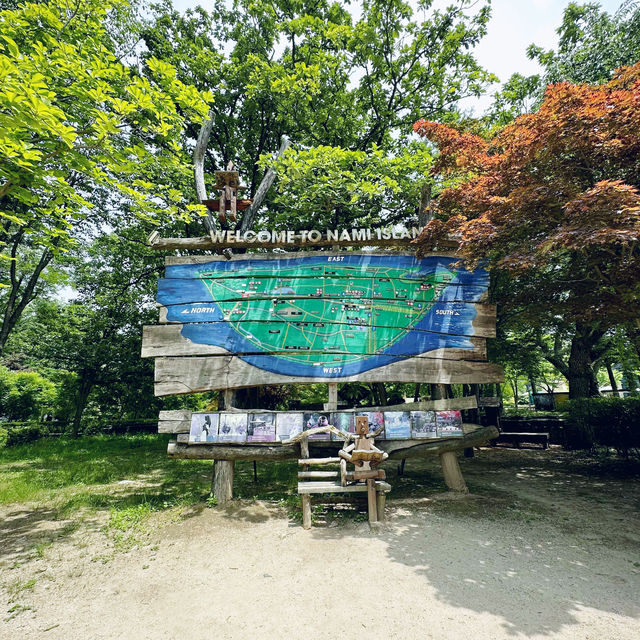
452	474
371	499
223	480
332	405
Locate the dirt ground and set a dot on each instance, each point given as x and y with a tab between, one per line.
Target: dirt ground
546	546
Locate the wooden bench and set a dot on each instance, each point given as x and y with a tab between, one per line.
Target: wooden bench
518	438
365	478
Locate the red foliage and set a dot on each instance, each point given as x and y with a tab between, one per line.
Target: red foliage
557	187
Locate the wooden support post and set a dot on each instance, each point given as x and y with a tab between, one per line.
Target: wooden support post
381	499
401	467
452	474
372	502
306	498
229	398
223	480
332	405
255	471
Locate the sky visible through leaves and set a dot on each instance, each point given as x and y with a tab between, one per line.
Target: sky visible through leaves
514	25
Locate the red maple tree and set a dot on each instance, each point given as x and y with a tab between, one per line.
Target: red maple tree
554	200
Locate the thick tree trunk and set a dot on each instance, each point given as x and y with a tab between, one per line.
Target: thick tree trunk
580	372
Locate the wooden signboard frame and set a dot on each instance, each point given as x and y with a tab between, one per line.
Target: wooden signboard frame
184	366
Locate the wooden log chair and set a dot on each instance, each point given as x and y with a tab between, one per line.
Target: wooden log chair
359	449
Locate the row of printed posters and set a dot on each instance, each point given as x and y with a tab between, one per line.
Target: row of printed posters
276	427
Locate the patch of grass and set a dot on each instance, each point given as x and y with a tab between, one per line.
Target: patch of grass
100	473
16	610
18	586
41	548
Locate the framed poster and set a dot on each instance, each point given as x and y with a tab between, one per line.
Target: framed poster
233	427
397	424
317	419
449	424
261	427
288	425
344	421
423	424
204	428
376	420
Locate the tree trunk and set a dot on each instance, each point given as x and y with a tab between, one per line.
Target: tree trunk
612	380
580	372
84	389
439	391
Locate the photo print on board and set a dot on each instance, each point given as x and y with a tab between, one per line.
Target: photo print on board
288	425
233	427
376	420
344	421
204	428
261	427
397	424
423	424
317	419
449	424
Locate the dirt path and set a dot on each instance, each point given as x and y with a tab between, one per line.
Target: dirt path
543	549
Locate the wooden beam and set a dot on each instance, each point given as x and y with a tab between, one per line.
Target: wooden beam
167	341
204	243
242	257
484	323
446	404
395	448
180	375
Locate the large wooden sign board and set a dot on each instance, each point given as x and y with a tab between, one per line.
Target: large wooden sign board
319	317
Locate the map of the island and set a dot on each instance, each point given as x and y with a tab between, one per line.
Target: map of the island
325	315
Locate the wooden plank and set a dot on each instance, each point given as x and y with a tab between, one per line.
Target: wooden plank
204	259
307	475
167	341
484	323
204	243
184	291
396	449
489	402
174	426
333	487
182	375
308	461
175	414
446	404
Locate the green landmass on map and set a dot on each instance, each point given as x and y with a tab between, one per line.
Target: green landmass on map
325	309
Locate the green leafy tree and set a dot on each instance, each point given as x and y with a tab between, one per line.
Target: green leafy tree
78	127
332	84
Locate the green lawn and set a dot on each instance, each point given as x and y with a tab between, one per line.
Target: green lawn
117	472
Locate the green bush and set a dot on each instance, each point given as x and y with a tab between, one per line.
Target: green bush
608	422
25	395
4	434
24	432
